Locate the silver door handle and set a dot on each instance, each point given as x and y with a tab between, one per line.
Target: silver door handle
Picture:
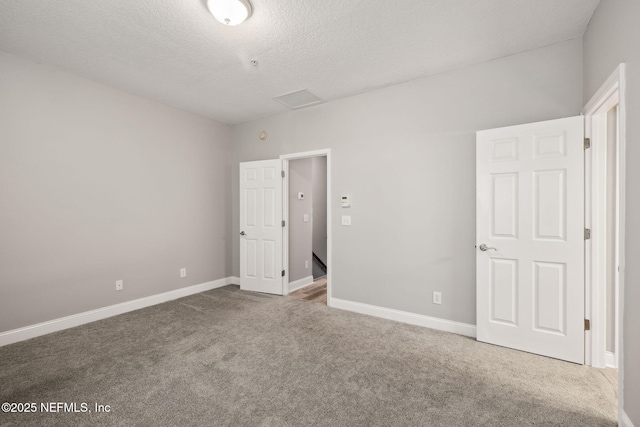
242	233
485	248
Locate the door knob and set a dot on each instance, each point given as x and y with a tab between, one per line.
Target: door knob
242	233
485	248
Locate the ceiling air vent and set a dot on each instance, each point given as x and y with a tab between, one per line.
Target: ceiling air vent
299	99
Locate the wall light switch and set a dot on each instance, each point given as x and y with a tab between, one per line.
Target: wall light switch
305	218
183	272
346	219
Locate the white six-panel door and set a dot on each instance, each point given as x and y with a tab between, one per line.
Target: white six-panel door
261	226
530	217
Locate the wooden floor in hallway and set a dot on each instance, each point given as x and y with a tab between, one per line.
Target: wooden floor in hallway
316	292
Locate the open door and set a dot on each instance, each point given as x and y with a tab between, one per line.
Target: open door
261	226
530	238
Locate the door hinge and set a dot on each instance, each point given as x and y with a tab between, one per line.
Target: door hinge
587	234
282	174
283	222
587	325
587	143
282	273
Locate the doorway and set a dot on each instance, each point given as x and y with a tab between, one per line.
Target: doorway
605	124
604	223
307	233
604	163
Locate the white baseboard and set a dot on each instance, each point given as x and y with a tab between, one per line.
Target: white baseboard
32	331
623	419
298	284
406	317
610	360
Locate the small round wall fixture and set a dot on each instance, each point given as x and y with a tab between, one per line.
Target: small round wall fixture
230	12
262	135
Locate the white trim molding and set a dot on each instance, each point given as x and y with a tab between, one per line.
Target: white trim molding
596	119
298	284
32	331
407	317
624	420
614	86
610	360
614	82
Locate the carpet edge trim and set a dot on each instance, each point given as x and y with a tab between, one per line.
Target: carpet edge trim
61	323
406	317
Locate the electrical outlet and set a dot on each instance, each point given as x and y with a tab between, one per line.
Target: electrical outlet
437	297
183	272
306	264
119	285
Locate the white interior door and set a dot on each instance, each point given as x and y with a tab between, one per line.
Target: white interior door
261	226
530	238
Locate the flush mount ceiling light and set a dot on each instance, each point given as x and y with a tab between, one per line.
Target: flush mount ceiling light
230	12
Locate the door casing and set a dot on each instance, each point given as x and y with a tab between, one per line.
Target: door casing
285	211
595	308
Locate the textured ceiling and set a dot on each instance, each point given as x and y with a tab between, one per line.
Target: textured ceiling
175	52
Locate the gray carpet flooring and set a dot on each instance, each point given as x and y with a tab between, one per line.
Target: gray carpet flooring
231	358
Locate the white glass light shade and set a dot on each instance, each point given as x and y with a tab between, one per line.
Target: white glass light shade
230	12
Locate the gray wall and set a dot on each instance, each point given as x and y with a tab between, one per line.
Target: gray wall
613	36
407	156
300	232
98	185
319	183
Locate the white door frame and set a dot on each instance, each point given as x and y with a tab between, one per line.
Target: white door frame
285	211
610	93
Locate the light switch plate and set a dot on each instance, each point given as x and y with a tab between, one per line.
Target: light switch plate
346	219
